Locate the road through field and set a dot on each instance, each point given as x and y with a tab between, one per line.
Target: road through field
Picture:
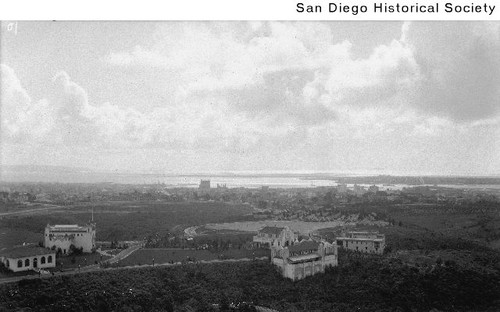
31	211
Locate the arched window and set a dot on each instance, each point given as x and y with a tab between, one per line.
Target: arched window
27	262
8	263
49	259
19	263
42	260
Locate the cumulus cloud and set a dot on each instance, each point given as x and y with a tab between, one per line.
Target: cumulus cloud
449	69
460	68
279	71
65	117
21	118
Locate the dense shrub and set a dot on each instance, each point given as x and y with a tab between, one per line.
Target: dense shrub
368	283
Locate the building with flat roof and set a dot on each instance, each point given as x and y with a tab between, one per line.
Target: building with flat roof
275	236
26	258
204	185
63	236
304	259
368	242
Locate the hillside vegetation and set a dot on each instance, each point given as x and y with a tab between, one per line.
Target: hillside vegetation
360	283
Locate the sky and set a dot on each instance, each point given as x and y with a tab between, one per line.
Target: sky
407	98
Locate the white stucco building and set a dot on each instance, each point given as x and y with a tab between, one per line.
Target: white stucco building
368	242
275	236
304	259
28	258
63	236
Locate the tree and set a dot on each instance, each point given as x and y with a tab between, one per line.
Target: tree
75	251
439	261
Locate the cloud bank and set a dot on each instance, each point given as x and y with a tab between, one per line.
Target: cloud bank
260	90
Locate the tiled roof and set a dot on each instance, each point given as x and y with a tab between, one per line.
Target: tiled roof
304	246
25	251
271	230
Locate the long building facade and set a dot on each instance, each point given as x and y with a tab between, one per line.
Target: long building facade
28	258
63	236
304	259
367	242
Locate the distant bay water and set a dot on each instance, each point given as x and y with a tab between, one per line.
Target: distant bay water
52	174
168	180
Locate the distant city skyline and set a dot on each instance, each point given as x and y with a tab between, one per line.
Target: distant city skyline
401	98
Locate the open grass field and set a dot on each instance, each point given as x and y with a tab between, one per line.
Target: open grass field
146	256
301	226
11	237
119	220
70	262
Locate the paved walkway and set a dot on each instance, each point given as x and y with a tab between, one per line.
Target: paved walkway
123	254
104	253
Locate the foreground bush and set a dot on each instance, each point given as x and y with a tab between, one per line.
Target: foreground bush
369	284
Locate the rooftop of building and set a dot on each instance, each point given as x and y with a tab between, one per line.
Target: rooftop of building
25	251
304	246
68	227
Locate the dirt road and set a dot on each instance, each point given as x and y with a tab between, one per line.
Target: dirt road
32	211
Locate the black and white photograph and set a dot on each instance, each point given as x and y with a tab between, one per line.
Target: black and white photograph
249	166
